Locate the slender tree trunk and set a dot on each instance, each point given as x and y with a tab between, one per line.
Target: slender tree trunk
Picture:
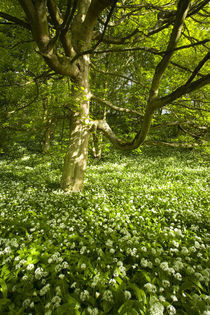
77	153
50	128
97	144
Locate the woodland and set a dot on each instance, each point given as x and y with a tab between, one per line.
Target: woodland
104	120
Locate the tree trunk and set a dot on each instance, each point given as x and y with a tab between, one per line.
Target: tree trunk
97	144
50	128
77	153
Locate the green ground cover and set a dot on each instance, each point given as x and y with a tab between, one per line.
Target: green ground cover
135	241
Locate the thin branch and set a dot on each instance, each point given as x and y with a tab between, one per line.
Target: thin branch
197	69
191	108
30	103
119	109
115	74
15	20
184	68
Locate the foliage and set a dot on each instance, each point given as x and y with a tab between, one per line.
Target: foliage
135	241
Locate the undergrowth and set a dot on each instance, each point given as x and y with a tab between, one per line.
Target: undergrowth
135	241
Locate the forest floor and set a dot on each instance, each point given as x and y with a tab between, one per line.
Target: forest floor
135	241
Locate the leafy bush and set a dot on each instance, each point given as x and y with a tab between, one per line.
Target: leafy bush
135	241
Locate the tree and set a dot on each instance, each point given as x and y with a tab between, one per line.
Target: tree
69	33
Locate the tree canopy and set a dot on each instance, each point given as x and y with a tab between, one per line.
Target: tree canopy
118	67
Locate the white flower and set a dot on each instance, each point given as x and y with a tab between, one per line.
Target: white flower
92	311
178	276
112	251
164	266
174	298
109	243
165	283
162	298
30	267
83	266
32	305
171	310
150	265
127	295
176	244
108	296
7	250
25	278
178	265
144	262
112	281
82	250
157	261
61	276
58	290
45	289
84	295
39	273
197	244
56	301
115	274
144	249
26	303
157	309
184	251
65	265
150	287
122	270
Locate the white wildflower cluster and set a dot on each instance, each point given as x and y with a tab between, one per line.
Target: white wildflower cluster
171	310
56	301
108	296
92	311
84	295
109	243
30	267
96	280
132	252
112	282
146	263
20	264
178	265
165	283
151	288
40	273
56	257
83	250
127	295
44	290
157	309
83	266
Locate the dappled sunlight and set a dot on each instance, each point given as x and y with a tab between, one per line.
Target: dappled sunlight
135	231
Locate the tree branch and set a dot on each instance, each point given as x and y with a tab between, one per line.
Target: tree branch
15	20
116	74
184	89
184	68
182	10
197	69
119	109
88	18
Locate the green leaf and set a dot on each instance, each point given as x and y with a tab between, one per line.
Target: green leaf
4	288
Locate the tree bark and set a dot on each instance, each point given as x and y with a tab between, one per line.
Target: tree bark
75	161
